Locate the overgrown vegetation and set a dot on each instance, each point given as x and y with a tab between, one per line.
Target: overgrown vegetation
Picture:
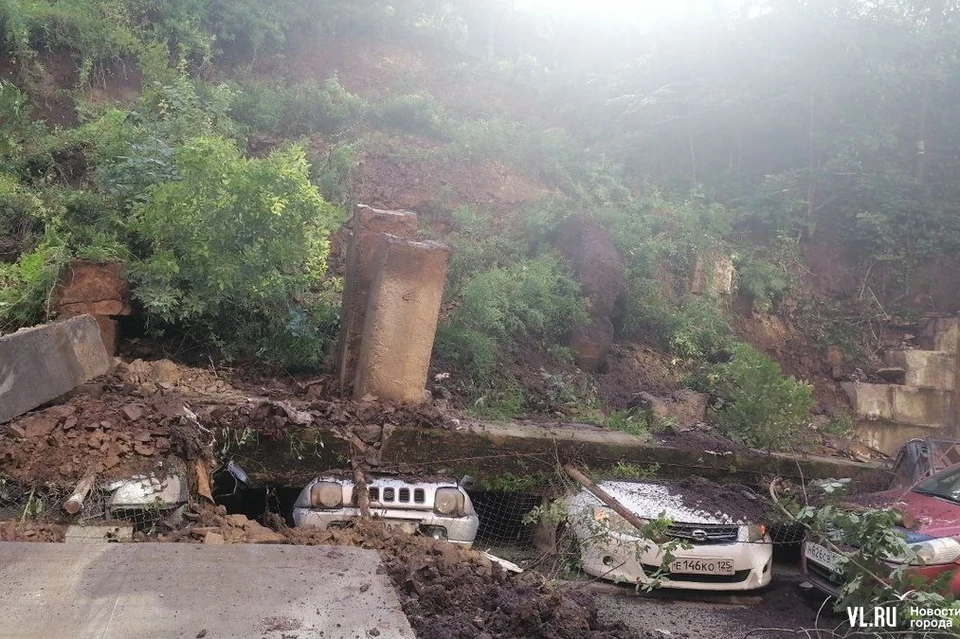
131	181
534	300
756	404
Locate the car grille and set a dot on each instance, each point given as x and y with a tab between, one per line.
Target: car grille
704	534
737	577
391	495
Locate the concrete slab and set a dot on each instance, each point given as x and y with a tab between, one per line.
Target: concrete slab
401	319
41	363
366	230
925	369
118	591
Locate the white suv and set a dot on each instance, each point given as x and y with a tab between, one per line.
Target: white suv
438	509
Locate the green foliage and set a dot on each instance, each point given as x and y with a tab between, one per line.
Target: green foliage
630	422
534	300
27	284
418	113
235	246
763	282
627	470
331	174
840	425
499	404
15	125
299	108
477	247
757	404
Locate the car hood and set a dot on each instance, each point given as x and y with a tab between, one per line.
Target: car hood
933	516
650	501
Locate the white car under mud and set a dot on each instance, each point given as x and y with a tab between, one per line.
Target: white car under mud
439	509
717	550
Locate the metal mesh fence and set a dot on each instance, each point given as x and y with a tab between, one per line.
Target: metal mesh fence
524	516
110	511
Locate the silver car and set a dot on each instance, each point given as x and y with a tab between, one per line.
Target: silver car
438	509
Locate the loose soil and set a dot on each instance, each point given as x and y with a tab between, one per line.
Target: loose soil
451	593
739	502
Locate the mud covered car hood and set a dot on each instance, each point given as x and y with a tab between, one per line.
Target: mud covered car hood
651	500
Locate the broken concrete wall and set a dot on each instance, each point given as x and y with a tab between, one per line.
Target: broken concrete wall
367	228
401	319
924	369
41	363
98	289
939	333
903	404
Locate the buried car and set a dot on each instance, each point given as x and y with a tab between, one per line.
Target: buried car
715	551
439	509
930	512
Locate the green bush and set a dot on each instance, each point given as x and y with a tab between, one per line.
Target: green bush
534	300
419	113
762	281
758	405
299	108
27	284
235	247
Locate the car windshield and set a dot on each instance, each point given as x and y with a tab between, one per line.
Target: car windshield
945	484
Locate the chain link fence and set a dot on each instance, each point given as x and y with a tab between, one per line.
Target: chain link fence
520	515
110	511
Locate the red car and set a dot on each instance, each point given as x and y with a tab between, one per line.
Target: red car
934	504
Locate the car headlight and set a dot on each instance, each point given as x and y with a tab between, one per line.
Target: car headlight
931	552
756	532
326	494
448	501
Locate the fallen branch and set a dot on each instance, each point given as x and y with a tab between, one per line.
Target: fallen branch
822	539
605	497
74	503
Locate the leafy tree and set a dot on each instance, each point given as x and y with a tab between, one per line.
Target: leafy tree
234	246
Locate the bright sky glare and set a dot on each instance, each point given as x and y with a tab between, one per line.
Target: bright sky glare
646	10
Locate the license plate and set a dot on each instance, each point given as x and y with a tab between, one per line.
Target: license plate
692	566
823	556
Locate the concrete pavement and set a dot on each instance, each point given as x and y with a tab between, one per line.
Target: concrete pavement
120	591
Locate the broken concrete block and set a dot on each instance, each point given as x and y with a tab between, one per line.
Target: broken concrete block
924	369
41	363
901	404
401	320
367	228
939	333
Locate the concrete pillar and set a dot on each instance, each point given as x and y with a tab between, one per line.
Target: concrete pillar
401	319
367	228
41	363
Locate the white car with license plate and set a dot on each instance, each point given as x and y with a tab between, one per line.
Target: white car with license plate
439	509
714	551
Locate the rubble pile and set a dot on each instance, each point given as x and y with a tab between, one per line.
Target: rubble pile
134	419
